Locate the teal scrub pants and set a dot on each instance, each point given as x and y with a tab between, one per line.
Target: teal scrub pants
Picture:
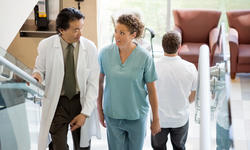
126	134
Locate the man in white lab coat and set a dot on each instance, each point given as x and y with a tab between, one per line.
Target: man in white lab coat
68	64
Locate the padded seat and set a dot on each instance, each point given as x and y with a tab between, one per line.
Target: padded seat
197	27
239	41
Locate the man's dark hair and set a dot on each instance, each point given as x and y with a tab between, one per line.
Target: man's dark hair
67	15
171	42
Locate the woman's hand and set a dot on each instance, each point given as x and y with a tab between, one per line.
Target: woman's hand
155	127
101	115
99	100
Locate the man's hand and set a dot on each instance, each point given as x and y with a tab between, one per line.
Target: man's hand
77	122
36	76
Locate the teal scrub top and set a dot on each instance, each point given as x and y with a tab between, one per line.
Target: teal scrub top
125	89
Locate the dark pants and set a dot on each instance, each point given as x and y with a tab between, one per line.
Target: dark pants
66	110
178	138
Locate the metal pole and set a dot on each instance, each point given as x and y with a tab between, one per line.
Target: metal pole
168	15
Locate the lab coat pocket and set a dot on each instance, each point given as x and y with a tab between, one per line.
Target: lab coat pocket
82	75
86	72
82	78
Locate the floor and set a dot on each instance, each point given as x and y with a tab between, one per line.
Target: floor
240	104
192	141
101	144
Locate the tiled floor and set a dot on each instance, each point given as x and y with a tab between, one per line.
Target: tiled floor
240	104
97	144
192	141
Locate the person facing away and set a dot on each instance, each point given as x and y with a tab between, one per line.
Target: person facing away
129	74
176	86
68	63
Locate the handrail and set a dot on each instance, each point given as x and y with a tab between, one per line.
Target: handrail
224	47
20	73
204	97
223	42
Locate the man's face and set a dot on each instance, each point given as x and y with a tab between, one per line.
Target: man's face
73	33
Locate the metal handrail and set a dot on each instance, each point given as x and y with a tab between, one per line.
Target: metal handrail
20	73
223	47
204	97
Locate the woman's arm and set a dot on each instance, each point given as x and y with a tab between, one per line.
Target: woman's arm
99	100
155	125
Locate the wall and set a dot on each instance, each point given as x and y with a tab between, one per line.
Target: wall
53	10
89	9
25	48
13	18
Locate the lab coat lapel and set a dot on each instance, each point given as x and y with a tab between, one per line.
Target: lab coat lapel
82	67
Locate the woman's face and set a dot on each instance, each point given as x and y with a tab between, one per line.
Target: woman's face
122	35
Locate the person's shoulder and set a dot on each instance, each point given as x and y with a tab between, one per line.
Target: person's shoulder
142	51
49	39
143	43
107	50
187	63
160	60
48	42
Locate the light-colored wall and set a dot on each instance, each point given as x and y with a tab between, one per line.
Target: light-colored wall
89	9
13	18
53	10
25	48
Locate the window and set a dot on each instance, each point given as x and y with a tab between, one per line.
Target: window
153	16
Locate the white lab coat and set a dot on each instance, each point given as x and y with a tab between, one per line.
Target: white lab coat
50	65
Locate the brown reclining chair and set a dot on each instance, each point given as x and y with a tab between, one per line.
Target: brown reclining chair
239	41
197	27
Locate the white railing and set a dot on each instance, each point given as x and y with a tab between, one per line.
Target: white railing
20	72
204	96
224	47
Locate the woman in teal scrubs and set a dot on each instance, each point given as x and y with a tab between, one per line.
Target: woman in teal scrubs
129	74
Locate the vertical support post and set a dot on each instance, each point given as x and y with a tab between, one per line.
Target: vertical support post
204	94
168	23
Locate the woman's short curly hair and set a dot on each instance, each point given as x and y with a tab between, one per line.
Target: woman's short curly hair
133	24
171	41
